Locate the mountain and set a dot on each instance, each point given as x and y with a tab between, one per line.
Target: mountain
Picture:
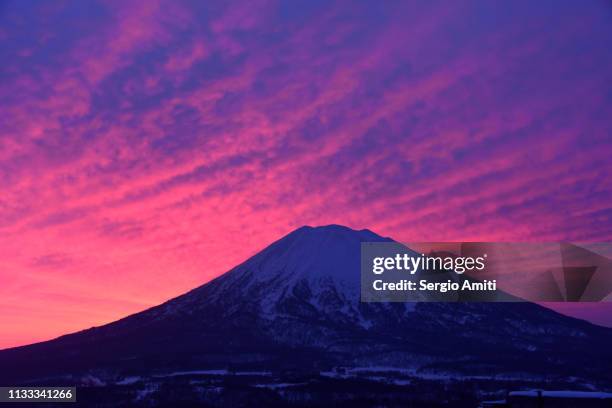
290	318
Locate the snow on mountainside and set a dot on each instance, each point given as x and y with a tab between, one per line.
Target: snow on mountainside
314	269
302	289
324	257
295	305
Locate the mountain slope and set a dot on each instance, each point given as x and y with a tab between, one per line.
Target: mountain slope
295	306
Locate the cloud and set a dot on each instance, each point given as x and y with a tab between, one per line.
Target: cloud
161	143
51	261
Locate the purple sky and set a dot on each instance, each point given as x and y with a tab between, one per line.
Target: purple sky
148	146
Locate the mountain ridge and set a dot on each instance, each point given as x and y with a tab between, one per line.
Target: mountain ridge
295	306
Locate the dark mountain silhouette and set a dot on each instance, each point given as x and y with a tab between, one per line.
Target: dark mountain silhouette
293	311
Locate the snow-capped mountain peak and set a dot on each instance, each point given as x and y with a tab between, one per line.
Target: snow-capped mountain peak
317	267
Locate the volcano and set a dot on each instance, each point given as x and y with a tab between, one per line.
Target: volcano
289	320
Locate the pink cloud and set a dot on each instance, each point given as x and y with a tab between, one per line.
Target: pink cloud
167	142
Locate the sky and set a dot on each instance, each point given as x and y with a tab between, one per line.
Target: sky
149	146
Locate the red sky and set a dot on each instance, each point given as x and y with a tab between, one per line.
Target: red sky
146	147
